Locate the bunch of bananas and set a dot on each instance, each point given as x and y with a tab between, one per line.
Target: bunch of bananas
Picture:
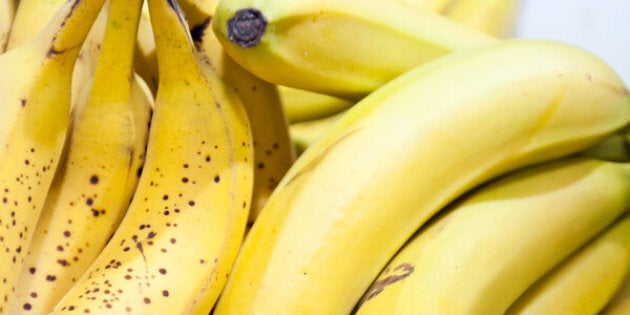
306	157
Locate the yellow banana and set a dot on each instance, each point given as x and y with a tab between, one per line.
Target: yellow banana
302	105
7	12
487	249
620	303
145	59
94	186
586	281
405	151
30	18
273	150
494	17
174	248
342	48
305	133
34	116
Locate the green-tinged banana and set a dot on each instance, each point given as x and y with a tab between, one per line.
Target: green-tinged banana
620	303
613	148
351	47
305	133
93	187
174	248
586	281
493	244
145	59
7	12
273	150
401	154
495	17
34	115
302	105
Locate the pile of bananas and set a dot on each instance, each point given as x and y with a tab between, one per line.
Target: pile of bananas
306	157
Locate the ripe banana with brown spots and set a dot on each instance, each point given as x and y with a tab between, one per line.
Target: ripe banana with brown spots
34	117
487	249
342	48
273	151
404	152
174	249
93	187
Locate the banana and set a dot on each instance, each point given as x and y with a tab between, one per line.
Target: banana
487	249
620	303
351	47
405	151
586	281
174	248
34	115
94	186
7	12
273	149
31	16
145	59
613	148
302	105
494	17
305	133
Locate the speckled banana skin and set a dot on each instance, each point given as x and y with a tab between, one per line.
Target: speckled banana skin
174	248
93	187
34	115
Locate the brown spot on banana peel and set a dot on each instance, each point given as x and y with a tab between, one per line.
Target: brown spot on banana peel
378	286
197	32
247	27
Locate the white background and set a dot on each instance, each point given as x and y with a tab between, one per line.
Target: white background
599	26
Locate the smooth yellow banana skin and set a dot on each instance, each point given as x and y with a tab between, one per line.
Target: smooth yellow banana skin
34	115
145	59
7	13
494	17
174	248
302	105
586	280
487	249
305	133
93	187
620	303
349	46
518	102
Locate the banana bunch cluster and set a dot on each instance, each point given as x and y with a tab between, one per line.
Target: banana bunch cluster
306	157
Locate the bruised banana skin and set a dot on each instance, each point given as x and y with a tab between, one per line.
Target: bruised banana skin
34	117
7	13
586	281
519	102
174	248
273	150
494	17
93	187
488	248
350	43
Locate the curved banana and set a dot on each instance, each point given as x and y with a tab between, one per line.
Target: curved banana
302	105
7	12
174	248
620	303
305	133
586	281
145	59
494	17
405	151
31	16
487	249
93	187
341	48
274	152
34	118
